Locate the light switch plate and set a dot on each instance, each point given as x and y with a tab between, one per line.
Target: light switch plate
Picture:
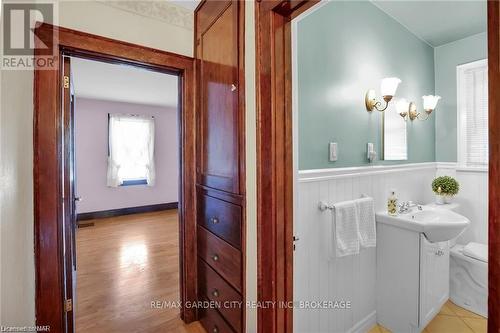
333	151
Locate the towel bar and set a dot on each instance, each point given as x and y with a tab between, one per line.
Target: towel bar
322	206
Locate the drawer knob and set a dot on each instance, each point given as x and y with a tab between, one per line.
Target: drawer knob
215	293
215	257
214	220
215	329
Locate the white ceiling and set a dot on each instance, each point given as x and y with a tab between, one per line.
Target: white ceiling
121	83
188	4
438	22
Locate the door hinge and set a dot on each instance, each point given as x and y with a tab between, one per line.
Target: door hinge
66	82
295	239
68	305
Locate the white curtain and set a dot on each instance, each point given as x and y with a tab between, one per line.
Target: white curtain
131	149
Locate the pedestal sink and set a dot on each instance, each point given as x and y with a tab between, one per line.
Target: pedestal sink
438	225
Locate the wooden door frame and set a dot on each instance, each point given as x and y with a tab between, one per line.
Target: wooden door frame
494	166
275	167
48	129
274	161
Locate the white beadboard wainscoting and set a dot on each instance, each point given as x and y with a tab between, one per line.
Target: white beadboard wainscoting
351	278
473	199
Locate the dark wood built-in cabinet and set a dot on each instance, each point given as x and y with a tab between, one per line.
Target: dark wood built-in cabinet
218	76
220	165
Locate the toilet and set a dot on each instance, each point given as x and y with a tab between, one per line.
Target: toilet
469	277
468	273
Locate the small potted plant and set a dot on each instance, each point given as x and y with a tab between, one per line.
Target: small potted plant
445	188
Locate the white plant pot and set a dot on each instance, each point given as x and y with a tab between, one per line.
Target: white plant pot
448	199
440	199
443	199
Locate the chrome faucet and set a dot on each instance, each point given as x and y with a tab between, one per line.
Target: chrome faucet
405	207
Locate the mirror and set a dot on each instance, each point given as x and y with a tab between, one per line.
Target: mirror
394	145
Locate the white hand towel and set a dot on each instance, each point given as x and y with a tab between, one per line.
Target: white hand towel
346	229
367	228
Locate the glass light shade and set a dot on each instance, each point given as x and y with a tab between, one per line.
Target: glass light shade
402	105
430	101
389	86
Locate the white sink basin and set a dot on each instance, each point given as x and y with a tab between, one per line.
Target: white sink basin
437	224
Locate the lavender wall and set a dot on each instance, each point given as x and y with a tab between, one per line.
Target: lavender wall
91	144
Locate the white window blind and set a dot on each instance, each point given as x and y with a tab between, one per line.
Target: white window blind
472	94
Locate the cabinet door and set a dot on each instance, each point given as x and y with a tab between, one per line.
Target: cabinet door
434	278
218	70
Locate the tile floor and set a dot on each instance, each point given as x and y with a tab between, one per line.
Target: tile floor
451	319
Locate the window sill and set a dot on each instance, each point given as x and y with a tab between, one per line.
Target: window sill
471	169
133	182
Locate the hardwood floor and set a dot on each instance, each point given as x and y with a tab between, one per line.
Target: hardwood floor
123	265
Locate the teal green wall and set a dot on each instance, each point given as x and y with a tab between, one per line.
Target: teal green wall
343	49
446	59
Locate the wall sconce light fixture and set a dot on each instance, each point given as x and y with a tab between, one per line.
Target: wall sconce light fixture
409	109
388	89
402	107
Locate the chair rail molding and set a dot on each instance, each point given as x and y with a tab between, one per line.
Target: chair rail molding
333	173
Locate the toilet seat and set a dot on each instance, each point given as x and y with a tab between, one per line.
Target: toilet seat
476	251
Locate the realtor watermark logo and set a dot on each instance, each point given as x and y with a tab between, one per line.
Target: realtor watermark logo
20	44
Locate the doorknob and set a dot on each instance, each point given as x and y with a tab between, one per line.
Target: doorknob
233	87
78	198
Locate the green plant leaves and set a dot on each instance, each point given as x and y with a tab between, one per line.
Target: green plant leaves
445	185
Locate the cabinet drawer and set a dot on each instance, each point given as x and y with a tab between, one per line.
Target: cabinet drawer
222	257
213	322
220	217
213	287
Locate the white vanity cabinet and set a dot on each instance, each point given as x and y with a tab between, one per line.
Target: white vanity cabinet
412	278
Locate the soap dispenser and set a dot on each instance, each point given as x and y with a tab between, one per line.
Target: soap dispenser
392	204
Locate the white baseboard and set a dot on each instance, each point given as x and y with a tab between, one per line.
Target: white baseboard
365	324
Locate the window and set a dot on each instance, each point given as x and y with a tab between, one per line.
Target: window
472	95
131	150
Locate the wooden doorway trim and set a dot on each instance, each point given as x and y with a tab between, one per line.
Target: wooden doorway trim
275	169
494	166
274	161
49	278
